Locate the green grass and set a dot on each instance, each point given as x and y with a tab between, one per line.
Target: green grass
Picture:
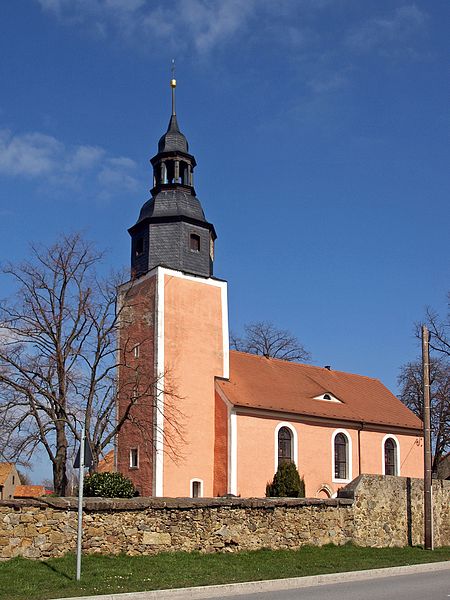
22	579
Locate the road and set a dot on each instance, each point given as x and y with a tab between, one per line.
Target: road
416	586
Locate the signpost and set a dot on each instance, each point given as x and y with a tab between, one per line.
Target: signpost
83	459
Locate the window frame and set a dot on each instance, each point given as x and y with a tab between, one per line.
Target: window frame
191	487
131	465
294	443
396	454
138	250
196	237
349	464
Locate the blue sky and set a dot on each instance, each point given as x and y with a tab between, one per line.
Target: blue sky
321	133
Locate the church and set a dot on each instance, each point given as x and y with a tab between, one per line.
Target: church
200	420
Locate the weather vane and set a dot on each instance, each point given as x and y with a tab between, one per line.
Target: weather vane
173	85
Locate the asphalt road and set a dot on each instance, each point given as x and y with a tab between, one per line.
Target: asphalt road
416	586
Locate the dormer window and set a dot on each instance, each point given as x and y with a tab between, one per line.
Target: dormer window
194	242
327	397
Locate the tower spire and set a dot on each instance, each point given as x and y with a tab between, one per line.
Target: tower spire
173	85
172	230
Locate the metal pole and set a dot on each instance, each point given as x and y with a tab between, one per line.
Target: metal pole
427	479
80	502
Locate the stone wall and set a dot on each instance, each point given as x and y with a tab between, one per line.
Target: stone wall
372	511
388	511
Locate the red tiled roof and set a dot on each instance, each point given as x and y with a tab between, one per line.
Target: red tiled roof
106	465
272	384
5	470
29	491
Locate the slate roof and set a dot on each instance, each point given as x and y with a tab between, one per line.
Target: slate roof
277	385
173	140
5	470
173	202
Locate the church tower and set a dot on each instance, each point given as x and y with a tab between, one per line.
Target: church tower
171	229
173	337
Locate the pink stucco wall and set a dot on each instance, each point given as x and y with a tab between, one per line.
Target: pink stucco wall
193	355
257	448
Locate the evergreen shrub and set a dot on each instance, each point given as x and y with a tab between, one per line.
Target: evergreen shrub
286	483
108	485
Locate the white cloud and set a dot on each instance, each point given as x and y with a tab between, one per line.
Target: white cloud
199	23
118	173
213	22
326	82
85	157
44	158
384	31
30	154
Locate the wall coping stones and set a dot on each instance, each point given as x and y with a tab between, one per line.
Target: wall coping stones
143	503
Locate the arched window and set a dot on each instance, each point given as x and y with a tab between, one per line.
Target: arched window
341	470
390	457
284	445
324	492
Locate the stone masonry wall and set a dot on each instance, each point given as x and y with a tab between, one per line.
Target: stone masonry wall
373	511
388	511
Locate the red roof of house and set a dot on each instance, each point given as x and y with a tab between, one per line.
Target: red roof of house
278	385
106	465
29	491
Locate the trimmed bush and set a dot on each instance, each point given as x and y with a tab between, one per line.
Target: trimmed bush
286	483
108	485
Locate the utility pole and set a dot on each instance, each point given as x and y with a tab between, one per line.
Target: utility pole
427	479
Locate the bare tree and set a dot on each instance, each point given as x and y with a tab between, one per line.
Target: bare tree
25	479
59	357
411	394
439	329
265	339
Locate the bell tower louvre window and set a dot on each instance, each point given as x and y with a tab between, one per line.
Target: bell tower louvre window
139	247
194	242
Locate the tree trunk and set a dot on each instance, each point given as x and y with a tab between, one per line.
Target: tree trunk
59	464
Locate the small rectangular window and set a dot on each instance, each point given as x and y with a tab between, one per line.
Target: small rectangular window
139	247
194	243
136	351
134	458
196	489
13	479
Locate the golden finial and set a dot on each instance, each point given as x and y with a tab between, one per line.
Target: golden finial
173	81
173	85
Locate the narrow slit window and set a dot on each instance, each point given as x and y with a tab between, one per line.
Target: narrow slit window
194	242
139	247
134	458
136	351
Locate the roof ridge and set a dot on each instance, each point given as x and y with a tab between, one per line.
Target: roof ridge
291	362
